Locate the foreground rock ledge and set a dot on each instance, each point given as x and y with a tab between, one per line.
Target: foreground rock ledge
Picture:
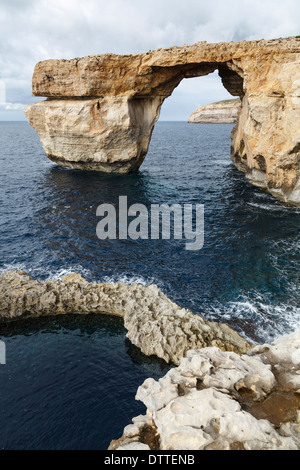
155	324
219	400
101	109
225	396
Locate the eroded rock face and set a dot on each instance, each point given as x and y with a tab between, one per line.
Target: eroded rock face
109	134
219	400
222	112
101	110
155	324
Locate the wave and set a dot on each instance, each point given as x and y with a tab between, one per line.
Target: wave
12	267
258	319
274	207
40	273
129	279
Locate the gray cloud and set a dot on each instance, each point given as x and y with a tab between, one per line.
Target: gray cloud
33	30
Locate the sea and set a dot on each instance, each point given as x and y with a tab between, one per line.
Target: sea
70	382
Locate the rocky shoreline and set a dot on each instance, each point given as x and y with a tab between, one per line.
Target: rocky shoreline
220	400
224	394
155	324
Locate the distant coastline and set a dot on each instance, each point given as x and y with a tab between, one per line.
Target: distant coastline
221	112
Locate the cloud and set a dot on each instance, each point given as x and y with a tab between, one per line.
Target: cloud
34	30
12	106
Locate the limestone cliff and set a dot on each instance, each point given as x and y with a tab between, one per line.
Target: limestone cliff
221	112
101	110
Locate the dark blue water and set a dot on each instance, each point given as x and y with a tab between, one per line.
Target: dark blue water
70	383
247	274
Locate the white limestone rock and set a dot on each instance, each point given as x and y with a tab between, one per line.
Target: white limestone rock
134	446
217	400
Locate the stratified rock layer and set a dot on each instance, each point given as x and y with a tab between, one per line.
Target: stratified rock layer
222	112
101	110
219	400
155	324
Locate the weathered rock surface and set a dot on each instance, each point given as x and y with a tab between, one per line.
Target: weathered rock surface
109	134
226	396
101	110
155	324
219	400
221	112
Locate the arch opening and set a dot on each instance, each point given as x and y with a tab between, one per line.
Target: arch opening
193	92
145	111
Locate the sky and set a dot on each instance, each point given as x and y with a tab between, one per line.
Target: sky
35	30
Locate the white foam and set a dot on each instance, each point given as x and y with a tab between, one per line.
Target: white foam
38	272
127	279
57	275
268	319
12	267
273	207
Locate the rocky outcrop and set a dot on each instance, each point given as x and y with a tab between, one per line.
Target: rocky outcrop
219	400
221	112
155	324
101	110
225	396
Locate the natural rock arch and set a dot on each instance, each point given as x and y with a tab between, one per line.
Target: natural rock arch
101	110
